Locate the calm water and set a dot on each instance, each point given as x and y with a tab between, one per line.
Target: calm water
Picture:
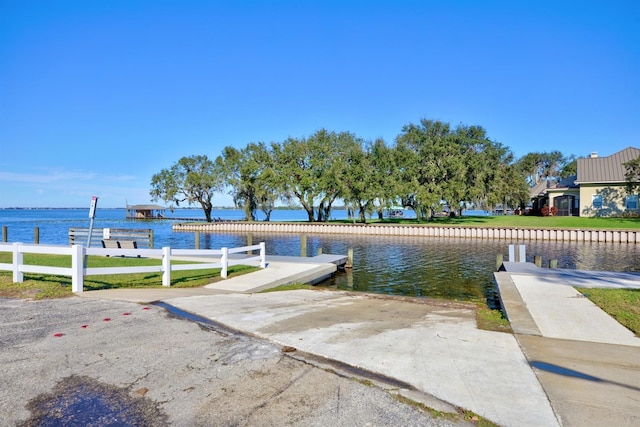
431	267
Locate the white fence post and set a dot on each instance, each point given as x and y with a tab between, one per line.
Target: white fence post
224	261
18	277
263	255
77	268
166	266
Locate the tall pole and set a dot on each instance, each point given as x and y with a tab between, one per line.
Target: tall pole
92	215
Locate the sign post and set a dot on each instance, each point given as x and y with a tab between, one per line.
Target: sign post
92	215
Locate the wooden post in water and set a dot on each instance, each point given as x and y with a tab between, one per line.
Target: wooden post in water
150	238
537	260
349	263
197	237
499	261
36	235
5	233
319	251
250	242
553	263
303	245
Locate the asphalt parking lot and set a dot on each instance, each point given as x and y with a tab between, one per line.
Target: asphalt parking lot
95	362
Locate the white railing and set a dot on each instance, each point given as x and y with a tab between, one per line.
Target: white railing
79	270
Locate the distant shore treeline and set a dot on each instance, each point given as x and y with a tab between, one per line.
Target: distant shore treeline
429	165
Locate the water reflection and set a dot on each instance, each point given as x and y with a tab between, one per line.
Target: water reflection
458	269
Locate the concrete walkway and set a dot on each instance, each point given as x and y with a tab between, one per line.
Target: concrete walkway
548	373
587	363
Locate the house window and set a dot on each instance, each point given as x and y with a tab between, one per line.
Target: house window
597	201
631	202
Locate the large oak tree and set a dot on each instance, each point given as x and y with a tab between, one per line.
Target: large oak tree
193	179
250	176
313	170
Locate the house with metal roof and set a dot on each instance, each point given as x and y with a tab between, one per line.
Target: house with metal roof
565	197
602	185
598	189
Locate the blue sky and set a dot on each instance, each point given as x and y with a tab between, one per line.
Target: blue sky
97	96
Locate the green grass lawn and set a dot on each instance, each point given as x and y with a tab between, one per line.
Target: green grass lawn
40	286
521	221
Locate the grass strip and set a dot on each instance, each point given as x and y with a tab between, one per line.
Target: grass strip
491	320
621	304
290	287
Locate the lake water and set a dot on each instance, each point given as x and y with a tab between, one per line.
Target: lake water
414	266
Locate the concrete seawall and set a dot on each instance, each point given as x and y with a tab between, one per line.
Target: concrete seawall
556	235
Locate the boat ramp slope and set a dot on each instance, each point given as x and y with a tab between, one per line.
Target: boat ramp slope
564	365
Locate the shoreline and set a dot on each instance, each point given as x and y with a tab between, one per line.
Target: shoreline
489	233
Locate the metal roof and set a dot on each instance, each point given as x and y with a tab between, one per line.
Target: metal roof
568	182
605	169
539	189
544	186
146	207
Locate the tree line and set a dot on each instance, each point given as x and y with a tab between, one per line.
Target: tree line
430	164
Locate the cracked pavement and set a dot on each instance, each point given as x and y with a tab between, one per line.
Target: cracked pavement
120	363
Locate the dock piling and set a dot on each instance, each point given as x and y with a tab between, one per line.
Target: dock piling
303	245
349	263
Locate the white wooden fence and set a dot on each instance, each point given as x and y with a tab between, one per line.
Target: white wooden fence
78	253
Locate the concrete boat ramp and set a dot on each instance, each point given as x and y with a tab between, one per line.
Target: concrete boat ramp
563	365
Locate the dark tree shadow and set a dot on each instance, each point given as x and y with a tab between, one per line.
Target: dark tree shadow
612	199
561	370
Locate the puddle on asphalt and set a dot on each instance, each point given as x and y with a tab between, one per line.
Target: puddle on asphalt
203	322
84	401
